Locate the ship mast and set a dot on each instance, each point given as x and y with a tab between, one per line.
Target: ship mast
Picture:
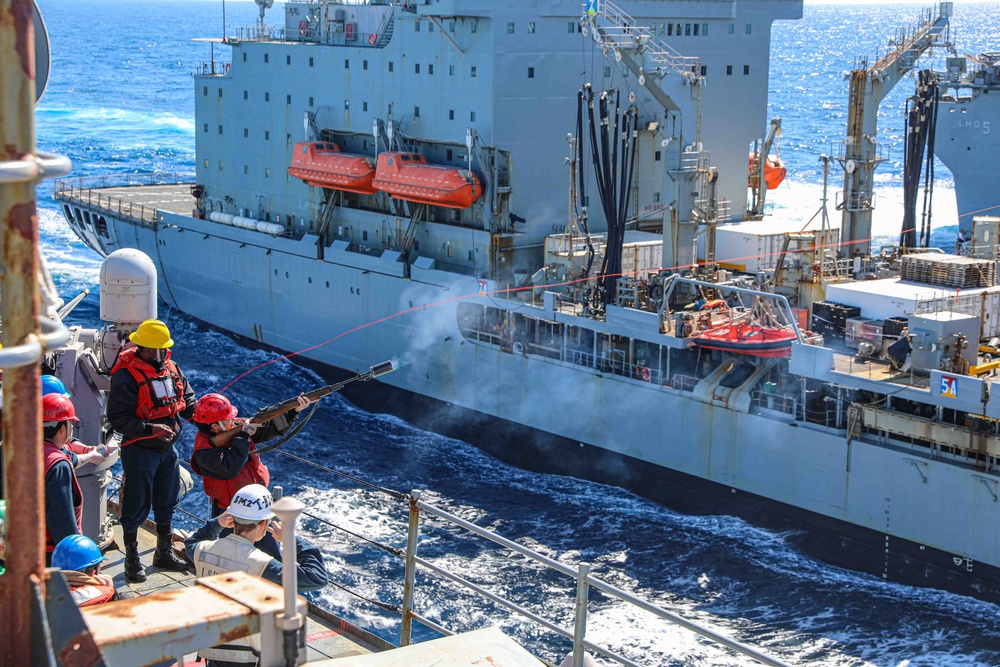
860	153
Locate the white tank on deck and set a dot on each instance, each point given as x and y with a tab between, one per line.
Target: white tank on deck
128	288
271	228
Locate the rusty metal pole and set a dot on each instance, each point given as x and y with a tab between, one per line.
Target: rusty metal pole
22	451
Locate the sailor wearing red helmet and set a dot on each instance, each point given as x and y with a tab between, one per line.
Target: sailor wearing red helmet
63	497
227	466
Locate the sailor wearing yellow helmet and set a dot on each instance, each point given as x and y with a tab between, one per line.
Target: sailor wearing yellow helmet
149	401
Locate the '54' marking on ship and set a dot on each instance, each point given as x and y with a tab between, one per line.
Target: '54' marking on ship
984	126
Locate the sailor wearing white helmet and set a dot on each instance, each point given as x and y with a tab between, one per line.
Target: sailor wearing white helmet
250	517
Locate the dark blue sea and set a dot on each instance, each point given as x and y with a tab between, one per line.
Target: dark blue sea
120	101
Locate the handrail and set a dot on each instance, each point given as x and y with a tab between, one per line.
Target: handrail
578	636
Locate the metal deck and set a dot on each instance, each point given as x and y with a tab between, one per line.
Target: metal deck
326	638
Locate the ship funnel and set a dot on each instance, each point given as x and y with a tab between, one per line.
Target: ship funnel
382	369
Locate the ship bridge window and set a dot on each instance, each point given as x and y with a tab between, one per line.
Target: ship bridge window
204	91
731	29
416	26
663	29
474	27
288	99
510	27
451	70
430	68
205	127
473	71
571	27
244	57
288	60
266	57
704	70
531	27
678	30
347	63
670	30
416	112
416	68
695	30
390	65
729	70
451	27
267	135
472	116
267	97
246	132
246	94
531	72
657	156
748	28
704	30
364	65
310	62
607	71
746	70
687	29
310	101
364	106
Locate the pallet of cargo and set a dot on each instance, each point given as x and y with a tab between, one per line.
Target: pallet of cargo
947	270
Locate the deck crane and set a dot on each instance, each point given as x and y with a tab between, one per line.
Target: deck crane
659	69
860	153
758	191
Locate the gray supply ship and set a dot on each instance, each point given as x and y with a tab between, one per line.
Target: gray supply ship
390	180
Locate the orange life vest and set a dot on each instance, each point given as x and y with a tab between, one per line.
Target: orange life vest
88	591
223	490
161	393
53	455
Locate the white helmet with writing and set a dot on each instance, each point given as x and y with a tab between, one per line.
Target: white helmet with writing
252	503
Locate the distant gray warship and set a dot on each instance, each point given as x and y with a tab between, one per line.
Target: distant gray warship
395	175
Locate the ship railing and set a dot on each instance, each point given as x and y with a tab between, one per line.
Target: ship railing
331	36
682	382
604	364
623	32
121	180
581	580
776	402
968	304
213	68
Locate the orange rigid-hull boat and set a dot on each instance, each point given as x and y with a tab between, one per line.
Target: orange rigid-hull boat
323	165
774	171
747	338
408	176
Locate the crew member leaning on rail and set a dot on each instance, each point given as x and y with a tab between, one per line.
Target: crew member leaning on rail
250	517
149	401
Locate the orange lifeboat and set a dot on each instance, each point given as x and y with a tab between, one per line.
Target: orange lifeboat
323	165
774	171
748	338
408	176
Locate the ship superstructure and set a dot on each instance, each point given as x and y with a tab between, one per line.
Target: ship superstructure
967	138
578	337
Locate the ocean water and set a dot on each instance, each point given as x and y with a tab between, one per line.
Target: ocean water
121	101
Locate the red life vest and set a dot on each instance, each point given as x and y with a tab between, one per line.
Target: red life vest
87	590
54	455
222	490
150	406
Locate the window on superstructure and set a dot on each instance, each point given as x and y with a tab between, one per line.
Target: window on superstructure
390	65
656	197
531	72
746	70
510	27
288	99
531	27
205	128
430	68
473	71
288	60
451	27
310	102
347	64
364	106
246	169
364	65
206	164
267	173
221	165
447	153
731	29
266	58
391	105
474	27
246	94
472	116
748	28
416	112
267	135
670	30
451	114
687	29
704	30
704	70
430	27
310	62
288	139
416	68
244	57
204	91
729	70
267	97
607	71
696	29
677	31
571	27
416	26
246	132
657	156
451	70
220	129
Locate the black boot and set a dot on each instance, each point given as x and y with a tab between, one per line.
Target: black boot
133	566
164	556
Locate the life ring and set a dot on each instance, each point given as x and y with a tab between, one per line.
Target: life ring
372	38
645	373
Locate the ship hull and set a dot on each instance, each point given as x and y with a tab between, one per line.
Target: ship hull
968	137
864	505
